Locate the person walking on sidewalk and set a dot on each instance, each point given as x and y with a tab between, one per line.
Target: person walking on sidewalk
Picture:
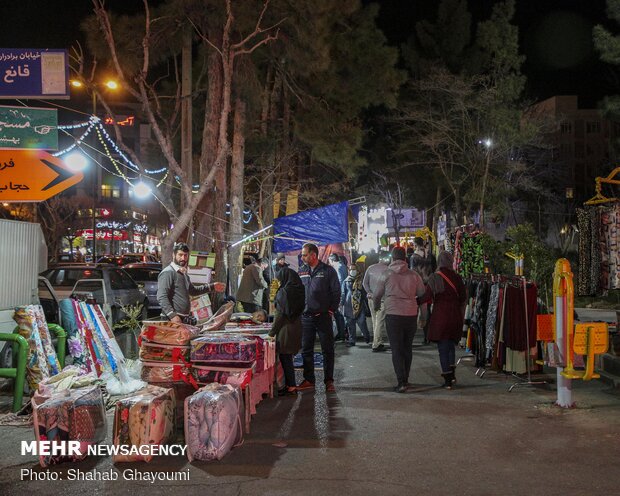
250	291
445	289
289	302
353	302
322	299
371	279
399	287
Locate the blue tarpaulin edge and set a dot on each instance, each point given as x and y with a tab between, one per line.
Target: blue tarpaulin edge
323	226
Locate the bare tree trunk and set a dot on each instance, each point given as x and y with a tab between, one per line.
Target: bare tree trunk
436	213
237	171
186	108
458	206
210	138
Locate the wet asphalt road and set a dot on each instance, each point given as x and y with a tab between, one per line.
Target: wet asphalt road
478	439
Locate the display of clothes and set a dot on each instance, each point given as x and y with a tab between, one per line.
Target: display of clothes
599	256
468	253
498	335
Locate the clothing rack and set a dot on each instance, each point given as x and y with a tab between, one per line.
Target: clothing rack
528	360
516	282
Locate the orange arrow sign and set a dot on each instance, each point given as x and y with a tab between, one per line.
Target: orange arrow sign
33	175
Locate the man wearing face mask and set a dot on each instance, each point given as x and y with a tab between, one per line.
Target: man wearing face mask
353	301
174	287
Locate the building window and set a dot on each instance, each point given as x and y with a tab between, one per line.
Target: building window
579	153
566	128
108	191
593	127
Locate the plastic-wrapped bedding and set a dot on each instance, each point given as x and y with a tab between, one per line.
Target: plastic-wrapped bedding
157	372
213	422
163	352
70	415
166	332
219	319
145	418
231	348
237	376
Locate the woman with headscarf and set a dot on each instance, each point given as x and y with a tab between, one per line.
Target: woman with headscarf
289	302
353	301
445	289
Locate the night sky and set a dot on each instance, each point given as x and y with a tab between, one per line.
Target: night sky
555	36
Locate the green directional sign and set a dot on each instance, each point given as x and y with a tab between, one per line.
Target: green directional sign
28	128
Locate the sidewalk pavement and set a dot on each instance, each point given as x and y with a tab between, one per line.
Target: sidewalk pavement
478	439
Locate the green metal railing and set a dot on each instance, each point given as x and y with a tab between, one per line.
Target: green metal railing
20	357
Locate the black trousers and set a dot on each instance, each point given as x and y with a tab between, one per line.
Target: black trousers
311	325
401	330
286	359
250	307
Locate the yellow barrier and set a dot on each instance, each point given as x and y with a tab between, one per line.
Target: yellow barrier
591	338
563	287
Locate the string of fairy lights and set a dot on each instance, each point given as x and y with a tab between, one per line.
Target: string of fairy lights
110	148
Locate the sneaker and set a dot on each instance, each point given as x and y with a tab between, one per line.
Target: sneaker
401	388
329	387
381	347
305	386
350	344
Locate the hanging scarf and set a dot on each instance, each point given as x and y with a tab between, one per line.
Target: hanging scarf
356	294
291	296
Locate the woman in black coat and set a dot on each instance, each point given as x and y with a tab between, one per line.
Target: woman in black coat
289	302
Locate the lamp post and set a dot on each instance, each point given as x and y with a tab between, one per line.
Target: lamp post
488	144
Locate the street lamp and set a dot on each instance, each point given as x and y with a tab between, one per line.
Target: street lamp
488	143
92	87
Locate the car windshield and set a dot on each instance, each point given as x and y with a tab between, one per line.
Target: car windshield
68	277
142	275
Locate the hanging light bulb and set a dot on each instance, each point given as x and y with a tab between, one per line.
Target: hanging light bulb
76	162
141	189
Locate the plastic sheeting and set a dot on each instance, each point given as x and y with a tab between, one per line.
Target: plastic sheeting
322	226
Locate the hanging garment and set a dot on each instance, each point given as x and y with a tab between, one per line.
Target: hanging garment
609	247
586	244
478	322
491	319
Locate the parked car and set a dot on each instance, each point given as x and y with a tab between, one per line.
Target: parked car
130	258
110	286
146	273
110	259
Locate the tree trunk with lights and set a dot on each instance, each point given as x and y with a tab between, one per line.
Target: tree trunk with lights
237	172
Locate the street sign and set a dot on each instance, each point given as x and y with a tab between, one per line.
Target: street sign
34	73
27	128
33	175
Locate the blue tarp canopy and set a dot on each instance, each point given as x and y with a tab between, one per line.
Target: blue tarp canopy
323	226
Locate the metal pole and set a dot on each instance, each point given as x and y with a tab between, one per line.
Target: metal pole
94	187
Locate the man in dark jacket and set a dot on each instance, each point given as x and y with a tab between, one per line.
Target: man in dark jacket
322	300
